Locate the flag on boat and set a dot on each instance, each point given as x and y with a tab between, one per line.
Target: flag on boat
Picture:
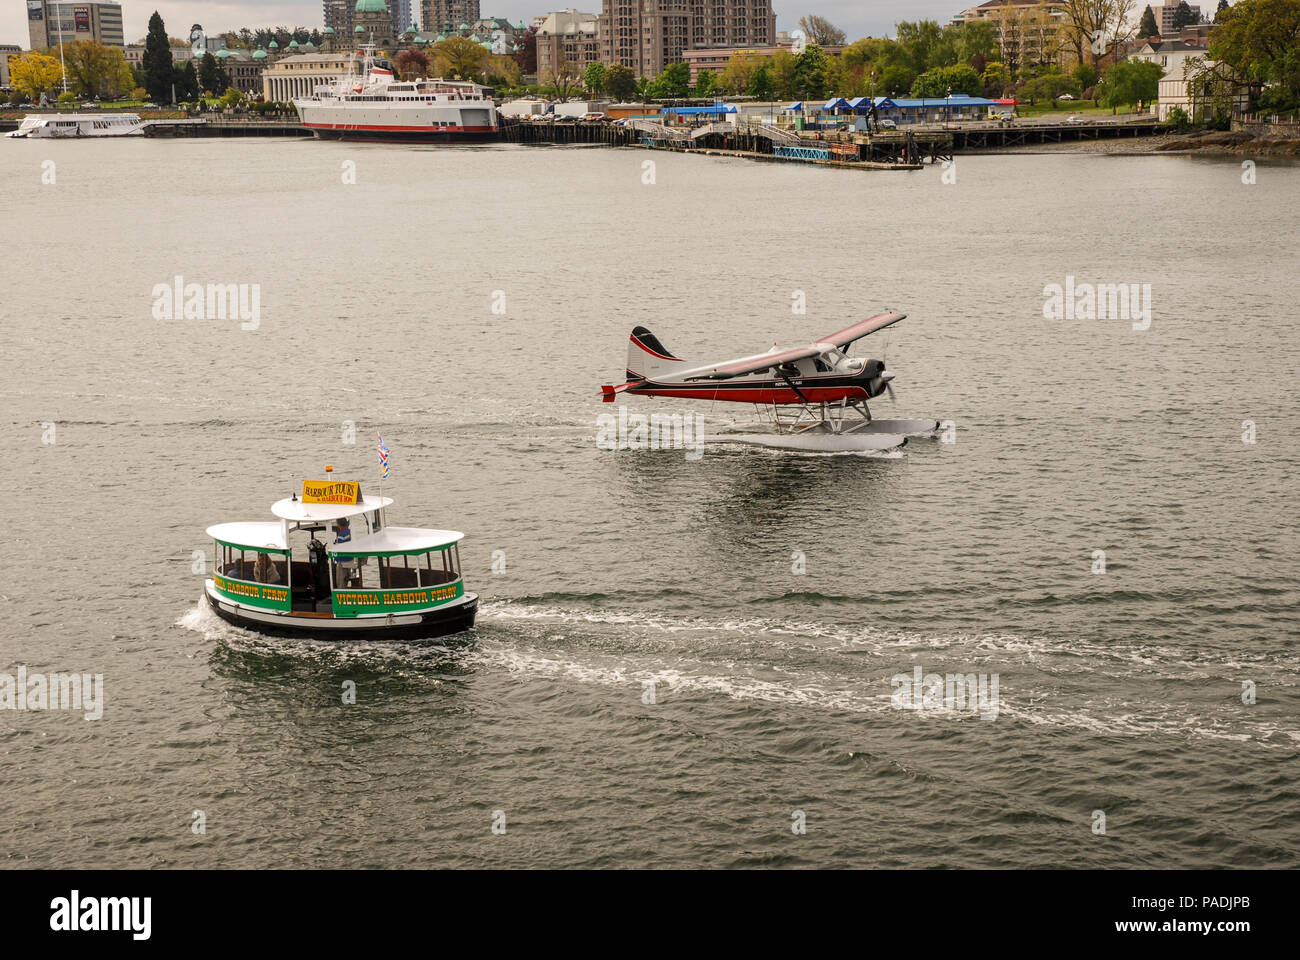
383	458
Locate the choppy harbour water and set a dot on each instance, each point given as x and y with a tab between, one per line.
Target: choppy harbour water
1119	692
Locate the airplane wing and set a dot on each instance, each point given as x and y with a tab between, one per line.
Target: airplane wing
862	328
763	361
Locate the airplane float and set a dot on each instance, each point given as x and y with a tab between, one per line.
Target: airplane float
827	388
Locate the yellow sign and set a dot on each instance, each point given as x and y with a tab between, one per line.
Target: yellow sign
331	491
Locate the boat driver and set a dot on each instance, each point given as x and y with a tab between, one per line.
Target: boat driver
343	534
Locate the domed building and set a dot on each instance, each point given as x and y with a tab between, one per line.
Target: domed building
374	23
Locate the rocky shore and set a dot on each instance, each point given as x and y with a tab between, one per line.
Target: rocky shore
1234	143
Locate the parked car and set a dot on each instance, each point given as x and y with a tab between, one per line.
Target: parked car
888	125
1075	119
1066	96
594	116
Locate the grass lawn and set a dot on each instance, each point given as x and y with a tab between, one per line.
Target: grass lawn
1068	108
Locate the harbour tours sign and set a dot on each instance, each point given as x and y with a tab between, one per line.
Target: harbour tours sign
347	493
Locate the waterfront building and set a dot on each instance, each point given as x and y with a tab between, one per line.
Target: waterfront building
1170	55
300	75
648	35
49	22
445	16
245	69
567	36
1030	32
1202	87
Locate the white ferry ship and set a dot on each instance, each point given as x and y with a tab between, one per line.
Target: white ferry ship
371	104
44	126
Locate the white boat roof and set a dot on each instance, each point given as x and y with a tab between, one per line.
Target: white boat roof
398	540
254	533
293	509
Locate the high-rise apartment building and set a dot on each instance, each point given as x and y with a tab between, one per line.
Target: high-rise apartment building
648	35
49	22
439	16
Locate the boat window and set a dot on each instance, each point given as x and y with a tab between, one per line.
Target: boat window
252	566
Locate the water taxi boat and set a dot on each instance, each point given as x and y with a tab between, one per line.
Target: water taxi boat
47	126
330	567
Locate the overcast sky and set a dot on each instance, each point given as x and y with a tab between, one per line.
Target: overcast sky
857	18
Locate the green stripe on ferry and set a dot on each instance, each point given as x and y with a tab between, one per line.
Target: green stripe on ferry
265	595
352	603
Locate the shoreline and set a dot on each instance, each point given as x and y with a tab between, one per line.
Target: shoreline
1197	144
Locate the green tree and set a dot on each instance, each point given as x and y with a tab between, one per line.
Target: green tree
706	82
1223	5
464	59
944	80
811	69
1128	83
996	79
1183	16
737	74
1085	75
782	71
1260	41
593	78
1147	26
97	70
620	82
761	86
187	82
158	61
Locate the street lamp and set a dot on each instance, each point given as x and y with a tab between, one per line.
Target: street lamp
947	110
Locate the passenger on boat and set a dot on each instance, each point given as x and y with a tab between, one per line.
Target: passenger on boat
264	571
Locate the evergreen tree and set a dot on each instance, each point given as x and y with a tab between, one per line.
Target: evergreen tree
158	62
187	82
210	75
1183	16
1148	28
810	73
1223	5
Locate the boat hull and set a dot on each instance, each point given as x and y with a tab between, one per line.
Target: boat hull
439	622
402	134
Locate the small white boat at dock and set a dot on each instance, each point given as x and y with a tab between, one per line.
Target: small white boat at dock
46	126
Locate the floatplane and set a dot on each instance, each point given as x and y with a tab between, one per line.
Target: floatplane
814	398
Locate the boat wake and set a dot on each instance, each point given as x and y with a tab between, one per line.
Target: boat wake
831	668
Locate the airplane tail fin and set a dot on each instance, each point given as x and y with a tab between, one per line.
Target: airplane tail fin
648	358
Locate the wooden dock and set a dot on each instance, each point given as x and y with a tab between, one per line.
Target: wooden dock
552	130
